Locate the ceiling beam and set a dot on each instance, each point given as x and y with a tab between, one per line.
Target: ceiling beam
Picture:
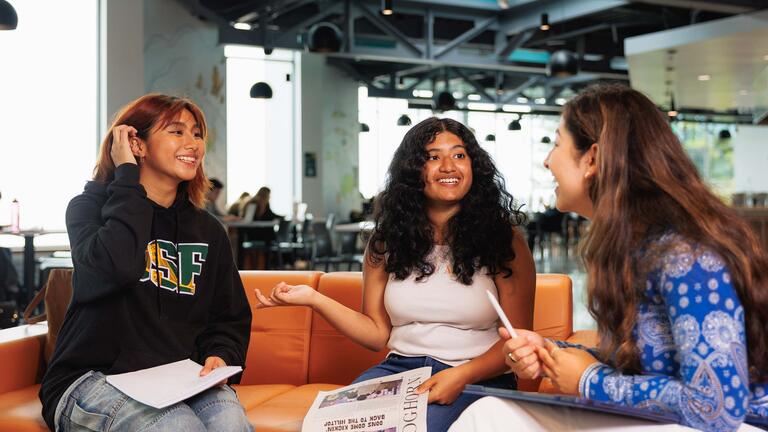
508	96
523	18
476	85
466	36
719	7
385	26
514	43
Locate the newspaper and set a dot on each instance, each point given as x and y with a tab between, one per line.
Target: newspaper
386	404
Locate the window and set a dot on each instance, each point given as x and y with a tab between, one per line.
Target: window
518	155
48	110
261	133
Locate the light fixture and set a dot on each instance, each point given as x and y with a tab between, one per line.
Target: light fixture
445	101
546	140
672	113
522	99
474	97
8	18
324	37
364	127
514	125
422	93
261	90
516	108
481	106
242	26
500	89
490	137
724	134
563	63
704	77
386	7
544	22
404	120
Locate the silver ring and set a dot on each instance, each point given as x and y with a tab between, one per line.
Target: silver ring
511	358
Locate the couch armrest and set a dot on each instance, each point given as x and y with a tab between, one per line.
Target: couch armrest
21	354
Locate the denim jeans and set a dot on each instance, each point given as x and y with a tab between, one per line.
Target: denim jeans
92	404
439	417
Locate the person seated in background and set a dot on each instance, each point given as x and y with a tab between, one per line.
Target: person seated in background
213	194
550	221
260	238
154	280
261	212
677	282
261	203
238	207
446	232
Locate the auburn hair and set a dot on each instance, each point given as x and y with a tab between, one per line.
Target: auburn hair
644	181
148	113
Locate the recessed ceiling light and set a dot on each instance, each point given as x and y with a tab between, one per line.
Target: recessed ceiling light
704	77
242	26
474	97
541	101
478	106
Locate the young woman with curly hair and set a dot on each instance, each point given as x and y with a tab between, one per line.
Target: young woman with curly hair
445	233
677	282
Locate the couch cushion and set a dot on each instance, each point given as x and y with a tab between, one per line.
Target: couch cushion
553	308
22	353
252	395
278	352
286	411
20	411
334	358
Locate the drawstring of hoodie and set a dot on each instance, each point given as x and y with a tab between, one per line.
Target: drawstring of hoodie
158	274
157	264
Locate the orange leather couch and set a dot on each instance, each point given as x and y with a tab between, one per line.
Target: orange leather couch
293	352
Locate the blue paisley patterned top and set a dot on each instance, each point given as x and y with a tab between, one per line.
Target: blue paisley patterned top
690	332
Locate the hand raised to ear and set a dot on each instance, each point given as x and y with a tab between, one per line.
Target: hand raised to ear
124	143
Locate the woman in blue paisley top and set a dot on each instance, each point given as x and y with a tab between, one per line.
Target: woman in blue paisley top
677	283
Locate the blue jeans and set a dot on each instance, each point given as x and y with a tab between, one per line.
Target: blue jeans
92	404
439	417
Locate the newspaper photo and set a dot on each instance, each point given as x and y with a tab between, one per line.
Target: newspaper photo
386	404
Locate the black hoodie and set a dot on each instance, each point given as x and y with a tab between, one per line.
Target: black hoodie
120	319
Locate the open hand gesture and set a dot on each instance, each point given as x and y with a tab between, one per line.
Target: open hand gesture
287	295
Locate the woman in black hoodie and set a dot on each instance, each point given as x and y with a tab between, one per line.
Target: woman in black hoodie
154	280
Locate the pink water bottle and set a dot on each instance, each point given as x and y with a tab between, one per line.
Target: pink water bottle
15	216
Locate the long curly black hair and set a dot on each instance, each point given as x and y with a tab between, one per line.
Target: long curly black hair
479	235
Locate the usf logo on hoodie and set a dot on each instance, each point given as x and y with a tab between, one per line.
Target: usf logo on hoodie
174	267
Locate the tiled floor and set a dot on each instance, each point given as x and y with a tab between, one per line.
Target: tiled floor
554	261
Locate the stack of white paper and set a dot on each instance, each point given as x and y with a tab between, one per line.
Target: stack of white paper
168	384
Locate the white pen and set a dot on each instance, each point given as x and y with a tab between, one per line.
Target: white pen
502	315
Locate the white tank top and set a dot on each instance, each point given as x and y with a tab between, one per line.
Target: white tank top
439	316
